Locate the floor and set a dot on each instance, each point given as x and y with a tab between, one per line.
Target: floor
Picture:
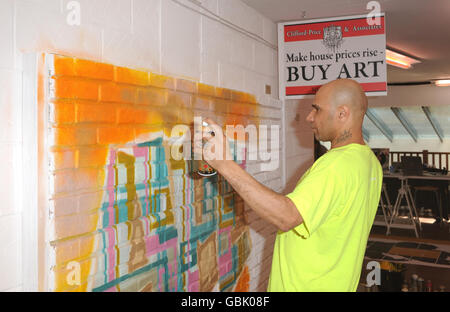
427	256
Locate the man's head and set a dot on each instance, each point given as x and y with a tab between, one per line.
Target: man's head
338	106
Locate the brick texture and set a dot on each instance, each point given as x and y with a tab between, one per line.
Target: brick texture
127	216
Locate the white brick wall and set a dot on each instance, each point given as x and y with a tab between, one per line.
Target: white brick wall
299	141
240	14
180	41
10	147
157	35
6	33
10	259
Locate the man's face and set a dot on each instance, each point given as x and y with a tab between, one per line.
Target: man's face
321	117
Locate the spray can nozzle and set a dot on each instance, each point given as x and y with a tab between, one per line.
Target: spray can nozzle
205	169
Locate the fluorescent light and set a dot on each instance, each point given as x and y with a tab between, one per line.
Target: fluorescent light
442	83
397	63
399	60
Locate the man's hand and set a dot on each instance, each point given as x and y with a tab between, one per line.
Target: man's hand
216	149
269	205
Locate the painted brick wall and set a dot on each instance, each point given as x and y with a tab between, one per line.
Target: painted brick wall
123	212
161	36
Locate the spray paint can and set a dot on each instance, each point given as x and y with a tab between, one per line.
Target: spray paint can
205	170
429	286
420	284
414	278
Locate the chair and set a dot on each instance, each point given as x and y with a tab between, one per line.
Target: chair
433	189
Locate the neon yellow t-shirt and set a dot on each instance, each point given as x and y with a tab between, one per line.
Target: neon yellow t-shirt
337	198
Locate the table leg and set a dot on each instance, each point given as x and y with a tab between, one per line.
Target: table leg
410	208
413	205
394	212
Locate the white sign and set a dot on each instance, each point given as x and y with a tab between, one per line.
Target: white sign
314	52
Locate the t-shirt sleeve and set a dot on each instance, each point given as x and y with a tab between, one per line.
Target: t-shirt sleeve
315	197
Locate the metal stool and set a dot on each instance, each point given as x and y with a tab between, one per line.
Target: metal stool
405	192
433	189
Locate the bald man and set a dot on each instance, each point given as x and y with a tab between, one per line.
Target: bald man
324	223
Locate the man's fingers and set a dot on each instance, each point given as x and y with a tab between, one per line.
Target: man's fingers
208	133
214	129
213	126
210	122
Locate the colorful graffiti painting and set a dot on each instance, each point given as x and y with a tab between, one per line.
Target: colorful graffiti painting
129	215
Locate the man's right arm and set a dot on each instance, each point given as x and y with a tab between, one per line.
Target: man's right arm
269	205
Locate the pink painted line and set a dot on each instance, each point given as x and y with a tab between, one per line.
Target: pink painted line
110	209
161	277
112	289
110	186
147	226
223	270
111	253
227	229
225	258
147	178
193	277
112	161
244	160
194	287
188	190
153	246
139	151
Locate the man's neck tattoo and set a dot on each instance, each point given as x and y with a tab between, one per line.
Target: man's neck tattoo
344	136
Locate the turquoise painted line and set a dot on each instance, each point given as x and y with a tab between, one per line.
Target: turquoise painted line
166	272
105	214
130	275
167	234
156	142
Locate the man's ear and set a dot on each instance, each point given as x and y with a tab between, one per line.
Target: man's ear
343	112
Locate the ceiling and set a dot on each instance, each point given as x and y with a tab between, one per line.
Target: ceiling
417	28
420	28
407	122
